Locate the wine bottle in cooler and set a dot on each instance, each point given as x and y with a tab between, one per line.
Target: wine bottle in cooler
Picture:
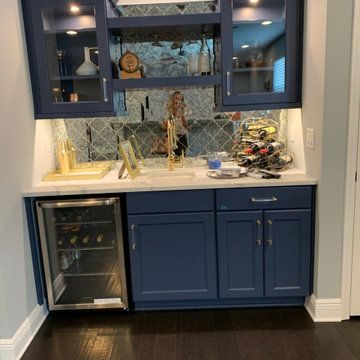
86	240
73	240
61	242
100	239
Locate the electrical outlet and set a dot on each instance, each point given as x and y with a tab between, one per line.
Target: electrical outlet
310	138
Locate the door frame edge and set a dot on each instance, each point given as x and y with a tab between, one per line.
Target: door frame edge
351	167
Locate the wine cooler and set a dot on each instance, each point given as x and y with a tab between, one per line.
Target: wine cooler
83	255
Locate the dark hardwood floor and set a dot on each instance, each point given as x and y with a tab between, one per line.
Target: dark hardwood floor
253	334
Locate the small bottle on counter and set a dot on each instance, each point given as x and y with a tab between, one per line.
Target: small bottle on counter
72	154
63	157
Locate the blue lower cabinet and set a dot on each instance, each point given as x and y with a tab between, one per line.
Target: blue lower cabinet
240	254
173	256
287	253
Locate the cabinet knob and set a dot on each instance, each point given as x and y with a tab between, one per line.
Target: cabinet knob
259	242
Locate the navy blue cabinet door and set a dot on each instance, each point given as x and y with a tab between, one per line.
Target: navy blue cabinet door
69	57
240	249
262	53
173	256
287	253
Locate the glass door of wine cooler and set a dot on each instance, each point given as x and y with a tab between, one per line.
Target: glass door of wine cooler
83	256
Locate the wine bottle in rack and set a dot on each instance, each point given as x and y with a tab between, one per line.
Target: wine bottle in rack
256	147
250	160
283	161
264	133
275	146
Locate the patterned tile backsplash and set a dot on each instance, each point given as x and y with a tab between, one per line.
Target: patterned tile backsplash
98	138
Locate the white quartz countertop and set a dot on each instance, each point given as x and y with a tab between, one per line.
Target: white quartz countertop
162	180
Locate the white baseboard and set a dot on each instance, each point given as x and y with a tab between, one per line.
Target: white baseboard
14	348
324	310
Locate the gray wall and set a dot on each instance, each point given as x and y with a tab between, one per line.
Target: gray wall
328	34
17	289
332	184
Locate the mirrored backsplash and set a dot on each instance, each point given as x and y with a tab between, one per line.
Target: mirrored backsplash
98	138
165	8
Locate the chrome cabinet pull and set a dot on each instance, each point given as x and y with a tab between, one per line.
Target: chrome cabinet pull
269	241
77	203
264	200
228	83
133	240
106	97
259	240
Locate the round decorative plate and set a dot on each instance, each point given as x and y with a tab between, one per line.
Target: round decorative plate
129	62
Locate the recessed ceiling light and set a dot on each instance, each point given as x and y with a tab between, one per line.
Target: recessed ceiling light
96	52
71	32
245	46
253	2
266	22
74	9
235	57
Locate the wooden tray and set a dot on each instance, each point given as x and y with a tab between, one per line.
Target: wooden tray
84	171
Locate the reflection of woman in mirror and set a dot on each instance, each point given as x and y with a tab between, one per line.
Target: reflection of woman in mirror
176	108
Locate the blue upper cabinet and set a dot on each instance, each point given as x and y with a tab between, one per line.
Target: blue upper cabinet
69	57
261	54
240	251
173	256
287	253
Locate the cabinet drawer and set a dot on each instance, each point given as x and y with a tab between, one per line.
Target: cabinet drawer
170	201
264	198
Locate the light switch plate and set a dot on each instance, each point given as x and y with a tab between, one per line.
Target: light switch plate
310	138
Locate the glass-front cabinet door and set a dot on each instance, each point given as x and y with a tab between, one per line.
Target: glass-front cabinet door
261	51
72	56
